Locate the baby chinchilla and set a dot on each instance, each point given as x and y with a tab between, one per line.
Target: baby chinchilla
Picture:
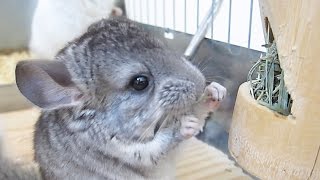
116	103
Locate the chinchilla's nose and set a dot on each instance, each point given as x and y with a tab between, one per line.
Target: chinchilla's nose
177	94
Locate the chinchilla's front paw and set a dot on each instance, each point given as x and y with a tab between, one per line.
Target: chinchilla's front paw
214	94
191	126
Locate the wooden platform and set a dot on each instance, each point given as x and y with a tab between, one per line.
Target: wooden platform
198	161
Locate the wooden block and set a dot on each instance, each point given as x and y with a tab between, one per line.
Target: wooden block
12	99
267	144
18	127
271	146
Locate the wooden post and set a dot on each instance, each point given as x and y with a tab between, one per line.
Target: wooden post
263	142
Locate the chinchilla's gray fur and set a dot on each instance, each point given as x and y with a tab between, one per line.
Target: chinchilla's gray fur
117	132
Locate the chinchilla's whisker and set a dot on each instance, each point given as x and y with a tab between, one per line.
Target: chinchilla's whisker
141	138
164	122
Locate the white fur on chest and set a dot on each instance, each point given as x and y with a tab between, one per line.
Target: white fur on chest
166	168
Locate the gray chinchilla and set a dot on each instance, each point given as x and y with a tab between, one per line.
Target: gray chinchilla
116	104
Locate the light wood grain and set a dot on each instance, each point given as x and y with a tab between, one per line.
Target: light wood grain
267	144
197	161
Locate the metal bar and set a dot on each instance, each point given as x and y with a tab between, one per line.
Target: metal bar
185	16
229	27
155	12
250	24
197	14
268	34
212	6
134	11
201	31
127	7
148	13
164	13
141	9
174	14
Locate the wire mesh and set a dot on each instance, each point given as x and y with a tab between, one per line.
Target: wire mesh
237	23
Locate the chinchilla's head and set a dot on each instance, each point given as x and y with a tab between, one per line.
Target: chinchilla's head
128	79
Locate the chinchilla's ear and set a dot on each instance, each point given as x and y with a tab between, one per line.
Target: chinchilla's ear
47	84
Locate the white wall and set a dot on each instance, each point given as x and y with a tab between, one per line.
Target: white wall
185	15
15	23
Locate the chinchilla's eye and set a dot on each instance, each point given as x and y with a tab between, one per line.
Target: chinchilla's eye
139	82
